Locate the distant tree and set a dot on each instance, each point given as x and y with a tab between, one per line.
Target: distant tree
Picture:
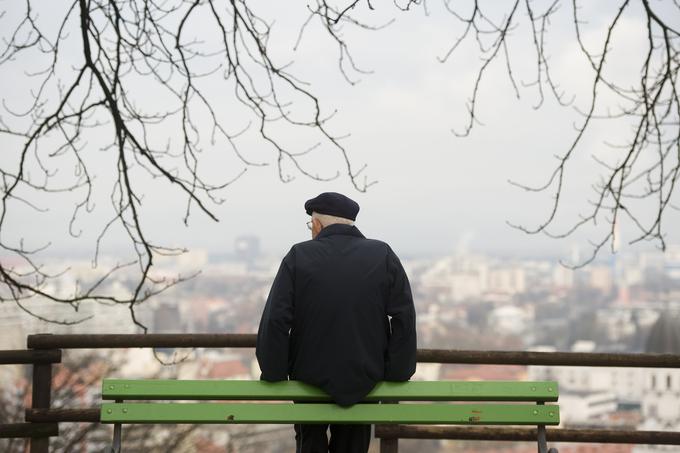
94	63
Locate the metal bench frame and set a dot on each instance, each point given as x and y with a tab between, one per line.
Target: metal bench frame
316	406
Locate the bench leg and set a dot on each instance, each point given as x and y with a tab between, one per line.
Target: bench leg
542	441
117	438
542	438
389	445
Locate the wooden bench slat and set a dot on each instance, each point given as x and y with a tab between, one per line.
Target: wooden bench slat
123	389
288	413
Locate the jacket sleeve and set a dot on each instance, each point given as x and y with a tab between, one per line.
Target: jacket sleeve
401	354
273	335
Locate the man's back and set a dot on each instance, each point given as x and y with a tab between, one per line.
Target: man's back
339	316
326	319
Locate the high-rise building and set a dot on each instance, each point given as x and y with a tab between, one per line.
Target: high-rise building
247	248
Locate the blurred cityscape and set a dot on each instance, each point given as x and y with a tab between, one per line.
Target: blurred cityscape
627	303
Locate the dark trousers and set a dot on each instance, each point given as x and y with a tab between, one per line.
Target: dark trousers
344	438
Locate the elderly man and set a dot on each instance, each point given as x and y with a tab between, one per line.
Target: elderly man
339	316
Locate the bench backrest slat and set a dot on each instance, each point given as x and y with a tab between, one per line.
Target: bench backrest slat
122	389
433	413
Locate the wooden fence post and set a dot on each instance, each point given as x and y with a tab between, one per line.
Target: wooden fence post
389	445
42	396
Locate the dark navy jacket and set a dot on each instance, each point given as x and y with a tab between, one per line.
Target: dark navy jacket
339	316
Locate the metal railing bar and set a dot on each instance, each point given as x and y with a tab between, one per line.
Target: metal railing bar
85	414
152	340
26	430
21	357
581	359
589	359
600	436
433	432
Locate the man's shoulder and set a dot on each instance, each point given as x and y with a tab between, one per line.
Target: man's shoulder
366	242
304	244
377	243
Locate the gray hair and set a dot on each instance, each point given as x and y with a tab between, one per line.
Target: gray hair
326	219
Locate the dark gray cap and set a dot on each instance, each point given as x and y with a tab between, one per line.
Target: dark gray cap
333	203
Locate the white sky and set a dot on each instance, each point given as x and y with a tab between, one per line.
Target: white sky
436	192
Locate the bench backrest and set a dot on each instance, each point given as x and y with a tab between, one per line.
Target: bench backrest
430	413
172	389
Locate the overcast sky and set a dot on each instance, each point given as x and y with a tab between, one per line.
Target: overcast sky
436	192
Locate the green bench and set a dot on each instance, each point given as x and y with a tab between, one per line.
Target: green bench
477	403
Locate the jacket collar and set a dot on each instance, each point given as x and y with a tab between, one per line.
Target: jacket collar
339	228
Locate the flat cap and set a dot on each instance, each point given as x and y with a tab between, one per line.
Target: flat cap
333	203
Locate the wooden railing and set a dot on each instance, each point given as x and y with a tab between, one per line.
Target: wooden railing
38	432
45	350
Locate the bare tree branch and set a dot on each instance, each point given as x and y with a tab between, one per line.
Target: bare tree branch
121	43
